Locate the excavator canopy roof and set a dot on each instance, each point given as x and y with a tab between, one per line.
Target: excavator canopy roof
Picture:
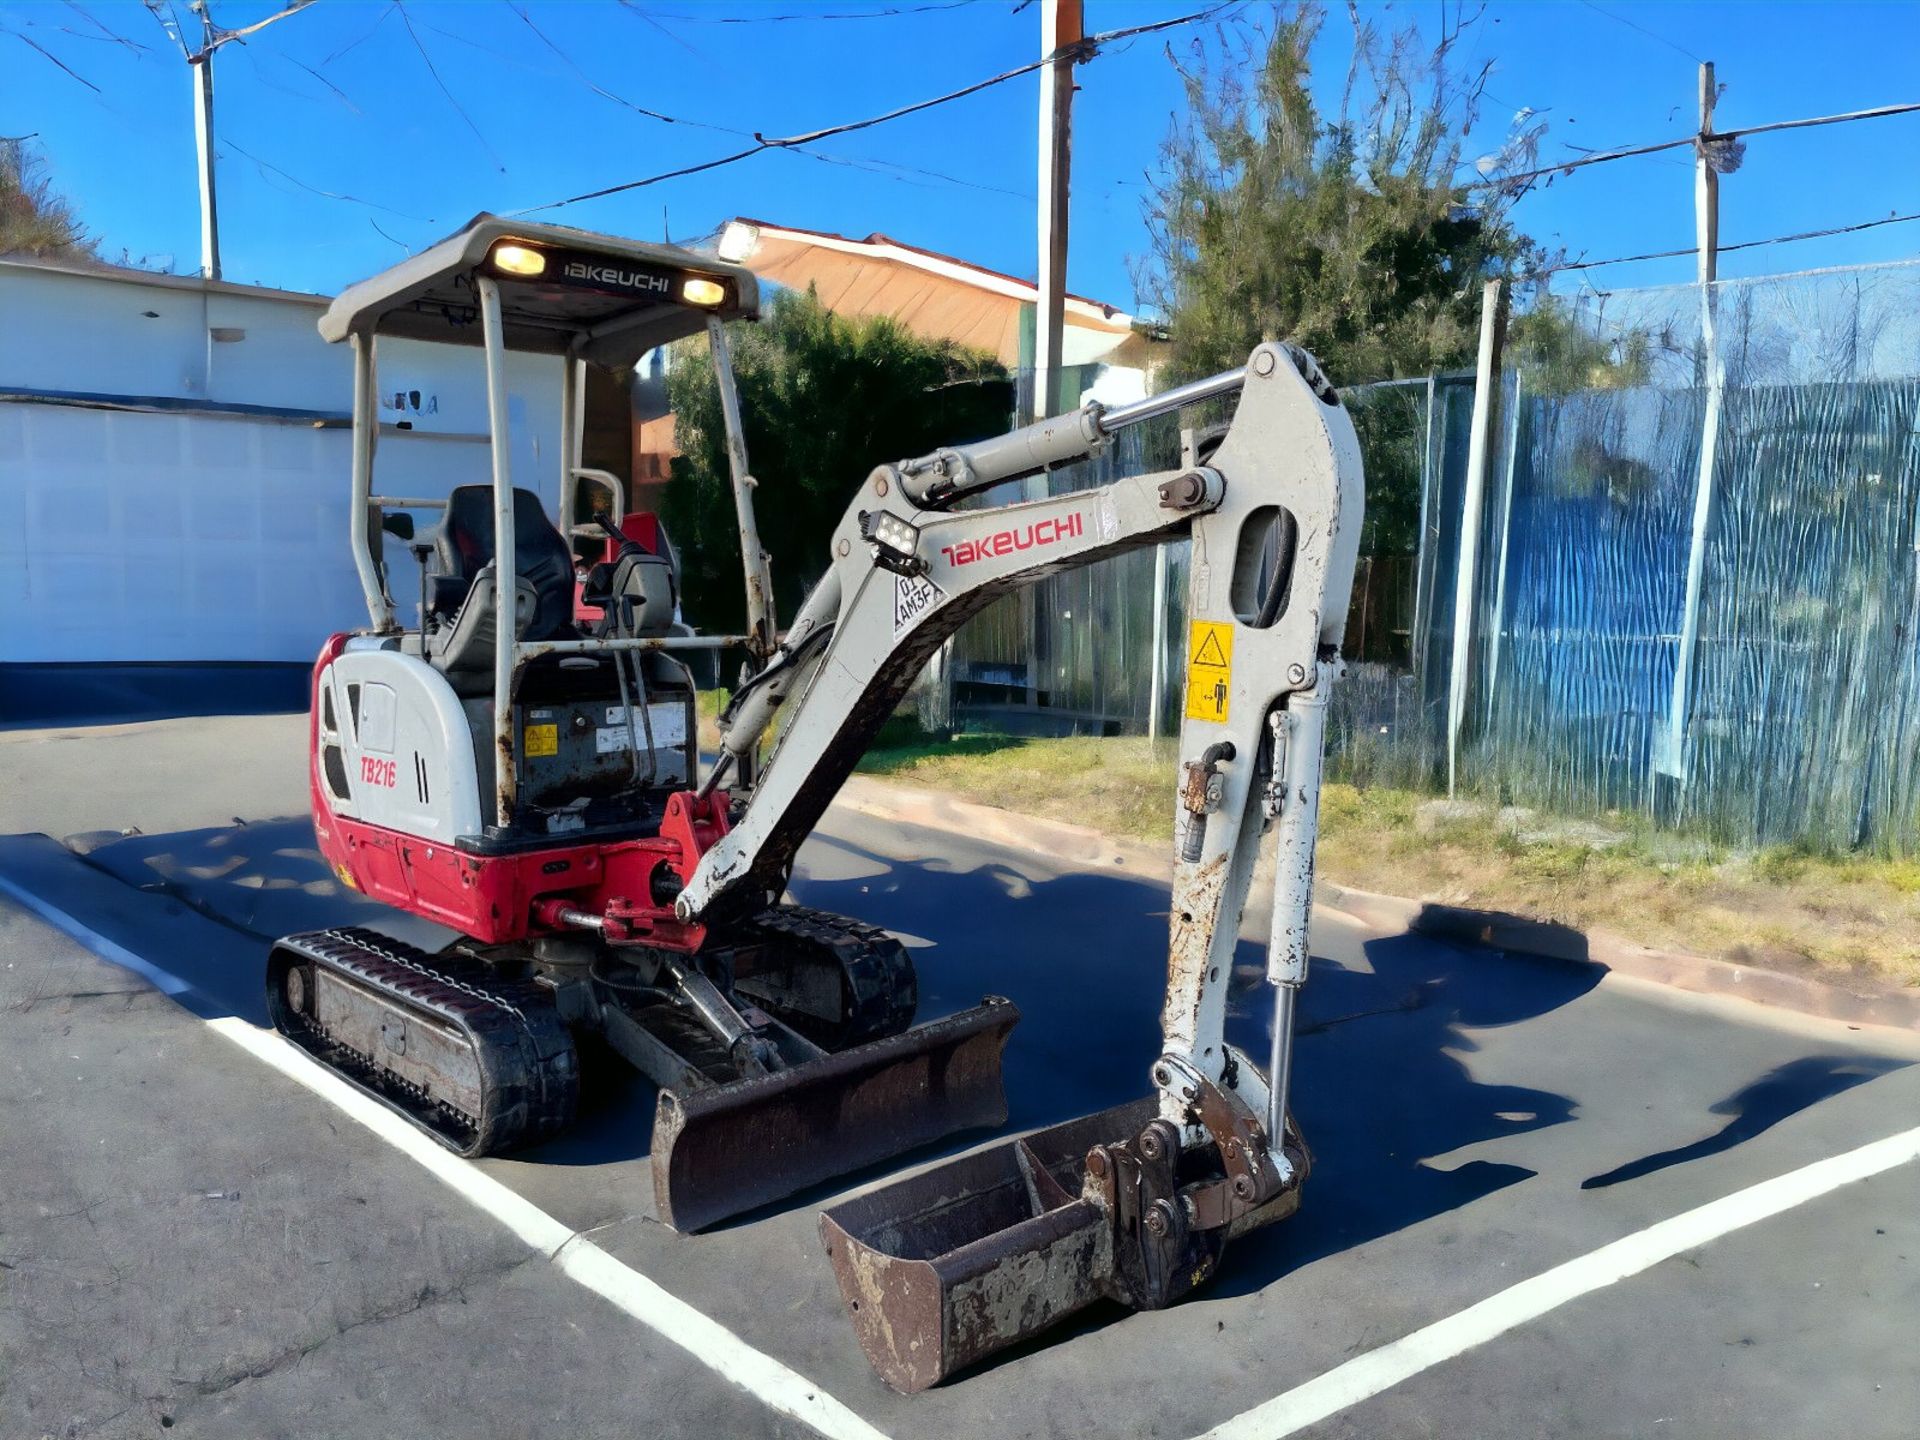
617	298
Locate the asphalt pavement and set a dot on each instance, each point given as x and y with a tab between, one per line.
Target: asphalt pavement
193	1244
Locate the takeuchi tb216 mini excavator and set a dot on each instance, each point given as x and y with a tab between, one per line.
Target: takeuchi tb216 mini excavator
536	785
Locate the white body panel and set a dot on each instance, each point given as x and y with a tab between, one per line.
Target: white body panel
406	748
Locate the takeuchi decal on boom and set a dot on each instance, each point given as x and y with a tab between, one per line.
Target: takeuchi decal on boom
1023	537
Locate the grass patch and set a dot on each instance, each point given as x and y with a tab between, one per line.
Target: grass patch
1119	786
1778	907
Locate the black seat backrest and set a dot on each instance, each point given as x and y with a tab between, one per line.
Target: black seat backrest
541	557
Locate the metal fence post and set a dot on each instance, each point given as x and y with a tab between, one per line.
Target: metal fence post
1493	324
1498	629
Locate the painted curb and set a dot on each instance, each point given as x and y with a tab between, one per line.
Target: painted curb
1055	839
1697	974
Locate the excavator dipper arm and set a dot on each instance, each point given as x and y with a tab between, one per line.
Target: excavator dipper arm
1135	1204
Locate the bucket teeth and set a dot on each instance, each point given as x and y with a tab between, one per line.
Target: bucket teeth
724	1149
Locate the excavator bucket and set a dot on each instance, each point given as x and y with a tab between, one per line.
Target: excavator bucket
943	1268
722	1149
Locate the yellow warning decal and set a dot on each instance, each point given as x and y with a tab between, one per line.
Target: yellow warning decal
542	740
1209	669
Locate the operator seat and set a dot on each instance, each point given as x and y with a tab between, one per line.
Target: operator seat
461	592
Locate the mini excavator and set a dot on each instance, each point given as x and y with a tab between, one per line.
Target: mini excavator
521	765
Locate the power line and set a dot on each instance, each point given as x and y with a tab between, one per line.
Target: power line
582	75
1877	112
407	21
385	236
1632	25
222	142
21	35
878	167
1724	249
343	96
364	35
1079	51
776	19
105	32
169	24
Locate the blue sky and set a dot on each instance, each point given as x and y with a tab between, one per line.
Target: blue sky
529	127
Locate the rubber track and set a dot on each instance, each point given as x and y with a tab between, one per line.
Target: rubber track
880	991
533	1077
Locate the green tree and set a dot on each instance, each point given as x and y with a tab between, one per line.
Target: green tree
34	219
1356	233
824	399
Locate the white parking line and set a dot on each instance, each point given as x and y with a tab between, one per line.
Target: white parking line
1368	1375
580	1259
791	1393
706	1339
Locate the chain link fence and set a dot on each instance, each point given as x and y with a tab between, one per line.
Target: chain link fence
1695	590
1698	580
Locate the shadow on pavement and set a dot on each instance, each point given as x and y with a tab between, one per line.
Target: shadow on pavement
1380	1085
1377	1089
58	693
1783	1091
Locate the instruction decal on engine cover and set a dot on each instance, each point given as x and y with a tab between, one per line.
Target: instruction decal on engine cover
913	597
1209	669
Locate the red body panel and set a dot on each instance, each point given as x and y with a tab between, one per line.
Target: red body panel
500	898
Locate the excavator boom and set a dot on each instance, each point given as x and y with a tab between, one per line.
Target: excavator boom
1135	1204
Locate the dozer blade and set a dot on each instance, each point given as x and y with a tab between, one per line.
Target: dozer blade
721	1150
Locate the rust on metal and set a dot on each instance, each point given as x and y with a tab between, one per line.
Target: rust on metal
728	1148
944	1268
1197	896
504	774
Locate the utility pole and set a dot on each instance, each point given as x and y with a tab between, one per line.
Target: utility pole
200	63
1670	755
1061	29
1706	183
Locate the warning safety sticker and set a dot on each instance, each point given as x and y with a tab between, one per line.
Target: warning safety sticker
1209	669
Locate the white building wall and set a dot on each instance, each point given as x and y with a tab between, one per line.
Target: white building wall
190	535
